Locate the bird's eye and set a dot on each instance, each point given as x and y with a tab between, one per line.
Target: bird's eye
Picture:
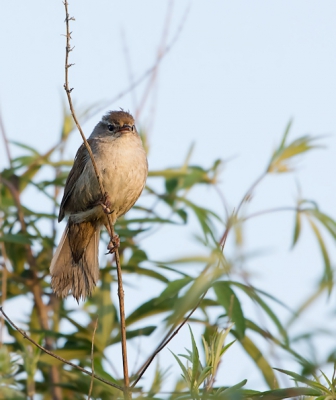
111	127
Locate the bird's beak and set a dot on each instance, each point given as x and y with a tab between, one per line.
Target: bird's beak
125	128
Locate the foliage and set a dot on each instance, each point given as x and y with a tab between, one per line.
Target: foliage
28	238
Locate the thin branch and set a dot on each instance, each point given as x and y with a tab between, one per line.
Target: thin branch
122	324
68	93
4	276
129	68
250	191
245	198
63	360
4	136
159	55
3	287
150	70
271	211
170	335
92	358
103	192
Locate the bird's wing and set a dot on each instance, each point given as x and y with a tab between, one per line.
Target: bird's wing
81	159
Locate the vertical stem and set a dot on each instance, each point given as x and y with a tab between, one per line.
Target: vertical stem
3	288
127	393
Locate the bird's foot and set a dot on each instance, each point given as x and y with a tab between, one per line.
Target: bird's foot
113	244
106	204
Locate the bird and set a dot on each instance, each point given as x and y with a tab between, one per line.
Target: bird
122	163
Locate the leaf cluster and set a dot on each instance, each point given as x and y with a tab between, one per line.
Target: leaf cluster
27	241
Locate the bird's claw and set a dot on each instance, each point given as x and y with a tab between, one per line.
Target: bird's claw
106	204
113	244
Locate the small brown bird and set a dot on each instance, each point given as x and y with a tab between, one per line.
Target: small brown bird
122	162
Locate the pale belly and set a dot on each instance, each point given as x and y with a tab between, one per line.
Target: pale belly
123	168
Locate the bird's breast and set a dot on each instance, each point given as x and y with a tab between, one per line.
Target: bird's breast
123	164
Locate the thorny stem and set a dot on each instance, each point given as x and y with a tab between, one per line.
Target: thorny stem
103	192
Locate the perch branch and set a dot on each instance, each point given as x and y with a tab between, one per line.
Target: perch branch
68	91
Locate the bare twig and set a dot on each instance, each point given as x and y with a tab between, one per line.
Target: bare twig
122	325
92	358
3	276
245	198
3	286
129	68
103	192
170	335
4	136
159	56
273	210
250	191
150	70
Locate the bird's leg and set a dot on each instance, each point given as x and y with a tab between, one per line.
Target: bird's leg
114	241
105	202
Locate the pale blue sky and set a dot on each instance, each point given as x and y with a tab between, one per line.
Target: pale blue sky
238	72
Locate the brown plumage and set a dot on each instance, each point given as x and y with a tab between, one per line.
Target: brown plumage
122	162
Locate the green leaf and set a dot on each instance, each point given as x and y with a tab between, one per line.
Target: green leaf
18	238
190	299
328	272
173	288
261	362
145	272
146	331
234	388
25	147
282	156
251	292
185	374
292	392
325	220
228	299
195	359
303	379
149	308
297	229
105	312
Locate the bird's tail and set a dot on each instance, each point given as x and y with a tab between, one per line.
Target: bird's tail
74	268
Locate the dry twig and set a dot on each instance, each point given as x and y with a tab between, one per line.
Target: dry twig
103	192
150	70
5	139
3	283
